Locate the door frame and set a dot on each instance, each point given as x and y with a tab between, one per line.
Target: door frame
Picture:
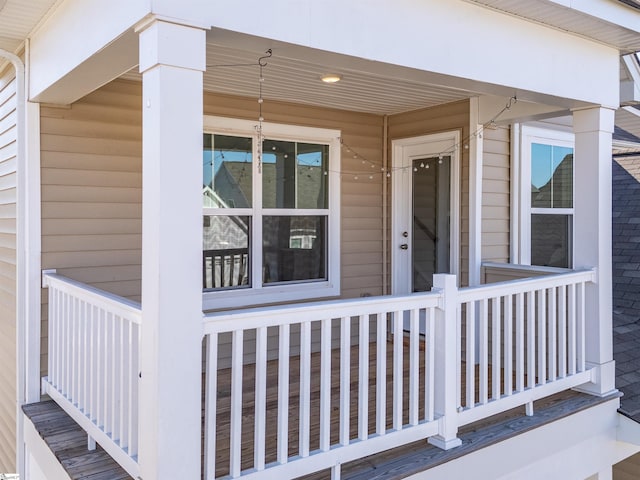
404	151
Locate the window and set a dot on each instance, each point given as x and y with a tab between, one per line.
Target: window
547	197
270	224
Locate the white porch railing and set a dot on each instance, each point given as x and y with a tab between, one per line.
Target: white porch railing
356	412
296	389
455	355
93	364
522	340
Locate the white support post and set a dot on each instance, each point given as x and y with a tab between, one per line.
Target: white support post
446	364
592	230
172	61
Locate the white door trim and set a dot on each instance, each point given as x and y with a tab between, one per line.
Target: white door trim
403	152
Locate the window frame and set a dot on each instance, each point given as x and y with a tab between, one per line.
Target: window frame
530	134
257	293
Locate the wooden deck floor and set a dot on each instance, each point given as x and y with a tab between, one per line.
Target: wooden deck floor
409	458
68	441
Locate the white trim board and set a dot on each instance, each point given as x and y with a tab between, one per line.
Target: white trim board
404	150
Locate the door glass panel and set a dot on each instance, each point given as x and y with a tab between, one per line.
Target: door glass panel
431	211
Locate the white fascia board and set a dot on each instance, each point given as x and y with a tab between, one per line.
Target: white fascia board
190	12
614	12
76	40
519	111
452	38
575	446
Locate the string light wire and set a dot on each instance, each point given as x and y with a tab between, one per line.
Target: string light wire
445	153
261	63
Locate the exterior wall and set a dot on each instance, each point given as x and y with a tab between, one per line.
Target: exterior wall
8	227
502	272
92	192
452	116
92	178
496	188
91	185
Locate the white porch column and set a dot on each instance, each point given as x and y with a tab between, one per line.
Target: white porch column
172	59
592	224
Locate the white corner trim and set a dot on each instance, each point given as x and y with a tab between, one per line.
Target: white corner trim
475	191
515	162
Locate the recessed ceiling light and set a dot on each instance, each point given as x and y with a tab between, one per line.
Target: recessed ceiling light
331	78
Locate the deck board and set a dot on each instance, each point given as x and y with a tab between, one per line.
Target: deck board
396	462
419	456
68	442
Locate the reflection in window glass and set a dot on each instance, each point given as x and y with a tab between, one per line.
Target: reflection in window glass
227	171
294	248
551	176
226	252
294	175
551	243
312	178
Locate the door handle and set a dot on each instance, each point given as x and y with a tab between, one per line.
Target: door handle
404	246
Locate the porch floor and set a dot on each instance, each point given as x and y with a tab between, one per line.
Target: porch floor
68	442
419	456
392	464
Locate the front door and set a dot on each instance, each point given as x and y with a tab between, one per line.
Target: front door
425	210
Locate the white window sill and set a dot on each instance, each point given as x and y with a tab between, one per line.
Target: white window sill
250	297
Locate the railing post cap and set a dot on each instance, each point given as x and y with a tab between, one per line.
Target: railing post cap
45	273
445	280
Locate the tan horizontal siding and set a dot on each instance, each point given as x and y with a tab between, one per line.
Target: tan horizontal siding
496	191
92	177
8	257
91	170
452	116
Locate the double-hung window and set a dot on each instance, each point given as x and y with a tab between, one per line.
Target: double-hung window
547	197
270	213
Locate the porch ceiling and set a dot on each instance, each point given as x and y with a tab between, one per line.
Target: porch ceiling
293	74
552	13
299	80
18	18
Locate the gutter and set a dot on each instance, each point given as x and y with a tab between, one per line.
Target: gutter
21	253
